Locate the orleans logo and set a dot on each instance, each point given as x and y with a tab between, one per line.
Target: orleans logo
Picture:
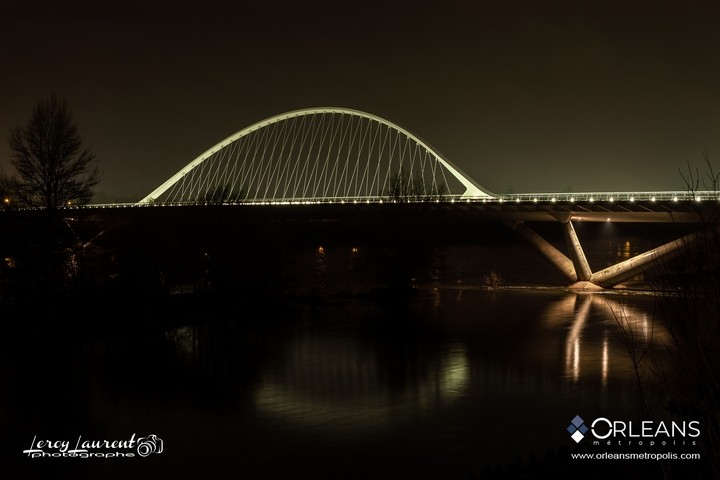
633	432
577	429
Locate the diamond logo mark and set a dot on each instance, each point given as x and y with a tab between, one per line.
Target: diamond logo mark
577	428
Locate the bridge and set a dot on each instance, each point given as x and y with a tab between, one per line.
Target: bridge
347	157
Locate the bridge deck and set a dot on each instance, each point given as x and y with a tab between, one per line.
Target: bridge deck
685	211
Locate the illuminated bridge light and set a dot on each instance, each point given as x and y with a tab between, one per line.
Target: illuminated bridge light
572	199
652	199
553	199
592	199
517	200
698	199
632	199
607	219
612	199
675	199
535	200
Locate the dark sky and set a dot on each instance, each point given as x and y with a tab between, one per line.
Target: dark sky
525	96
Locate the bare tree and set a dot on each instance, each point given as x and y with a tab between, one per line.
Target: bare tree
53	168
404	189
686	366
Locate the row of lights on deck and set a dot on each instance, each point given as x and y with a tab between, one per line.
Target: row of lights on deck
591	199
6	201
500	200
452	200
368	201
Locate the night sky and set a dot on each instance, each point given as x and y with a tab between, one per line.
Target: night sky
525	96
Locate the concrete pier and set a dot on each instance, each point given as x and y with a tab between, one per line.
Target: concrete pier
577	269
555	256
582	268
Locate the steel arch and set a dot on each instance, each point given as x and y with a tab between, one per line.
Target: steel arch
472	189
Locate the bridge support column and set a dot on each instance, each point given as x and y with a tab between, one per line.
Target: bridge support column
622	271
582	268
555	256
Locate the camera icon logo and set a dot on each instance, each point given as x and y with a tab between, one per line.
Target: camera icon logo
148	445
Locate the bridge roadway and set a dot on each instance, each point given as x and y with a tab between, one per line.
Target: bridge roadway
518	208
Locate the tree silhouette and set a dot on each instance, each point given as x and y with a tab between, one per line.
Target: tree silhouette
222	194
53	168
404	189
687	289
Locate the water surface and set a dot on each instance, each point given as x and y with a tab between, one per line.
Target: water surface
443	385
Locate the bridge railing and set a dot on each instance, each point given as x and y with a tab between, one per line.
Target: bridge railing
524	198
545	197
591	197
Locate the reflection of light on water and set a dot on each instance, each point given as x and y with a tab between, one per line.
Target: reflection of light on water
559	312
576	359
449	382
572	343
338	382
455	374
625	251
637	324
605	361
583	354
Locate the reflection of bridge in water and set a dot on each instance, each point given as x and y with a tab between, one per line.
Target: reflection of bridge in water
349	158
358	388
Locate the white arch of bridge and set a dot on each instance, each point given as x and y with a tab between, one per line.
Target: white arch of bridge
472	189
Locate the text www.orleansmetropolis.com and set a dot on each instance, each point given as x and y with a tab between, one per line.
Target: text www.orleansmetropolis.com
635	456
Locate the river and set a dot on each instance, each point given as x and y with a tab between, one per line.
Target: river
474	372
